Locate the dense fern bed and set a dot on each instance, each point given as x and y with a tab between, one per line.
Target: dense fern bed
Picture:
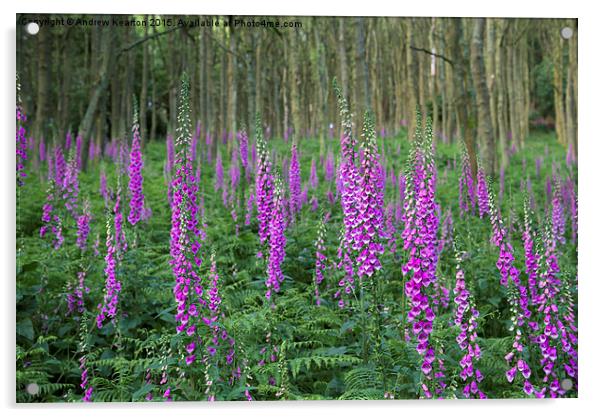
287	347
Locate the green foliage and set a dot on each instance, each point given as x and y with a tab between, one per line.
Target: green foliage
543	88
321	352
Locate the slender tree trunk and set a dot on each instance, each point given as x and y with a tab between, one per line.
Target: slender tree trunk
573	59
500	94
231	83
462	103
223	102
490	66
526	105
519	99
321	84
397	55
144	90
571	90
64	101
411	77
342	55
511	88
362	64
449	81
293	83
173	85
43	61
484	116
99	87
433	77
559	105
153	130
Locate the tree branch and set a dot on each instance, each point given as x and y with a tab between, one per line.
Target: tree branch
226	49
426	51
148	38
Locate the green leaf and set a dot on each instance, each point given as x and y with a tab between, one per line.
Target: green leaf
25	329
142	391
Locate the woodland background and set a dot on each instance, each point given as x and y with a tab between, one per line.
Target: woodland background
488	81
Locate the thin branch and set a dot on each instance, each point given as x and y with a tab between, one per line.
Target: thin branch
426	51
242	58
148	38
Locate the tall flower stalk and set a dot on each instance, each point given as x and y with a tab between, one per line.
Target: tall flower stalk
466	187
555	333
108	308
420	243
243	150
75	298
170	153
83	226
264	185
70	185
120	239
369	228
277	241
349	183
220	345
60	167
78	151
21	147
135	176
558	217
235	175
482	194
465	318
85	383
51	218
219	173
329	168
517	295
102	189
531	255
313	175
294	183
185	234
320	264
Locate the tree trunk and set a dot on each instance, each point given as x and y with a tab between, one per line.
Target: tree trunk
461	102
101	84
482	94
293	83
571	91
144	91
411	77
39	128
362	64
154	99
559	105
63	99
342	55
231	84
433	77
500	94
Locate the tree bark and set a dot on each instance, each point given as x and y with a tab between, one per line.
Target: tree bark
144	91
100	86
43	70
461	102
482	94
571	91
500	94
411	77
